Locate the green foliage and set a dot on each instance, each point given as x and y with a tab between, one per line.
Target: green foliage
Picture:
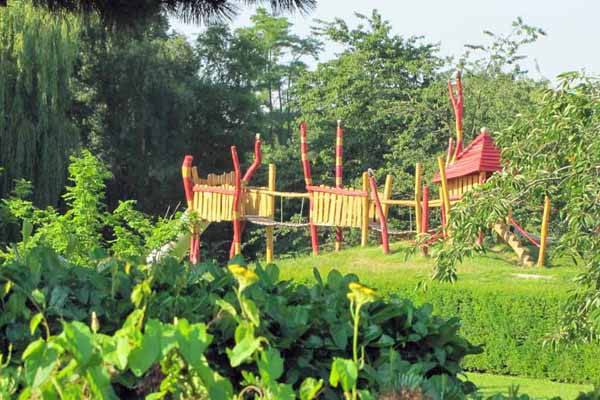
37	53
513	324
292	343
553	151
86	227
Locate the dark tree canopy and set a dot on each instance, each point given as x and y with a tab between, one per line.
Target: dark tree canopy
188	10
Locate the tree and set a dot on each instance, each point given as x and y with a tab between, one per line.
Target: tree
143	105
373	87
37	52
130	11
281	64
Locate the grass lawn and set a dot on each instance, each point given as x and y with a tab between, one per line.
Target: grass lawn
538	388
379	271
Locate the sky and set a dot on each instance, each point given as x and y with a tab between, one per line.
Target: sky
572	26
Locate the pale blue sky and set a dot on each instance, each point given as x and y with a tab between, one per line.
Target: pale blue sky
573	26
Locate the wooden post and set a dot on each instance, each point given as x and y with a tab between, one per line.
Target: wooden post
382	220
364	226
387	194
457	104
314	237
237	245
445	196
544	233
269	230
339	154
482	178
418	184
186	174
425	217
449	152
257	159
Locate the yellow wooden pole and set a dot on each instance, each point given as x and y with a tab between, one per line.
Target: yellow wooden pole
418	186
269	230
544	233
445	196
364	237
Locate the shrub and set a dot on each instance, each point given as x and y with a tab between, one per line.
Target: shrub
513	325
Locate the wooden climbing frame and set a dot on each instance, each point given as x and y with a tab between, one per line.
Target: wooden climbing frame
228	197
336	206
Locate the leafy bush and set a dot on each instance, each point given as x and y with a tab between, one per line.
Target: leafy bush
300	329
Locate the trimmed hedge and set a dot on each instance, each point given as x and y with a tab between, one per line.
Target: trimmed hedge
512	324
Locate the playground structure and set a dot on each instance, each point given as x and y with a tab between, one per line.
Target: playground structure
229	197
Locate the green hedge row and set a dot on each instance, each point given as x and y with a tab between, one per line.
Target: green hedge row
512	324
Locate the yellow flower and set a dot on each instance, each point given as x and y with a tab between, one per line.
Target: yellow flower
360	293
243	275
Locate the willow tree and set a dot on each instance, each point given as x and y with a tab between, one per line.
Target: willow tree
37	52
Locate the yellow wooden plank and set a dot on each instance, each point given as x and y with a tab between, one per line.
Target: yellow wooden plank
331	214
195	202
317	206
338	210
326	205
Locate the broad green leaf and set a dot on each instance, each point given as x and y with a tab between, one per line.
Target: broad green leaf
193	341
226	306
309	388
218	387
140	293
251	311
114	350
34	322
281	391
147	352
440	354
343	371
39	297
243	350
99	383
243	330
270	364
40	362
339	336
78	341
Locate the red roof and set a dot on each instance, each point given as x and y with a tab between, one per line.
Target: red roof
481	154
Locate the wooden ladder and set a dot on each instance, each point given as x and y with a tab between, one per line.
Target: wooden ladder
511	239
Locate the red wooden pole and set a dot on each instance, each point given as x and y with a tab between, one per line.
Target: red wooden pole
188	186
314	238
382	221
257	159
449	151
236	204
457	104
246	179
339	154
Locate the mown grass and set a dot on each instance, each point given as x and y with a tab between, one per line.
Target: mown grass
496	266
538	388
